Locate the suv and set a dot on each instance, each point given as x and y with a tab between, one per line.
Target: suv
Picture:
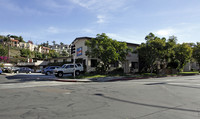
69	69
49	70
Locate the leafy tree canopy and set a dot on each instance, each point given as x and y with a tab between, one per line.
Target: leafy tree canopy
183	54
106	50
3	51
157	52
196	53
25	53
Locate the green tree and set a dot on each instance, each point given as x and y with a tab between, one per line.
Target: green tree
196	53
1	37
54	42
3	51
64	53
152	53
106	50
25	53
38	55
20	38
61	43
53	54
170	56
183	54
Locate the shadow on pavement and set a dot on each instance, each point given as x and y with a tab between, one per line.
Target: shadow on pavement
164	83
29	77
149	105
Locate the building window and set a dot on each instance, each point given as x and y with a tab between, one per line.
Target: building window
134	65
93	63
115	64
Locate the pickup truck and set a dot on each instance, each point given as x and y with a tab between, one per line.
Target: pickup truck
69	69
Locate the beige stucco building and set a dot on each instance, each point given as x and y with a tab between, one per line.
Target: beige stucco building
28	45
130	65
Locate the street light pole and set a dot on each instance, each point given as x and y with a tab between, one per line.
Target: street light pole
74	65
9	43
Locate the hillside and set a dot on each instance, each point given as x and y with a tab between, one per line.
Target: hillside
14	52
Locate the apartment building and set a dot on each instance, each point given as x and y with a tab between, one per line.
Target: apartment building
131	63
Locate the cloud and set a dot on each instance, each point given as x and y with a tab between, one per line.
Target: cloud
165	32
52	29
9	5
101	19
101	6
90	31
185	32
130	37
56	5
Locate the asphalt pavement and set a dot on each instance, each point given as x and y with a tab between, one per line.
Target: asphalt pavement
154	98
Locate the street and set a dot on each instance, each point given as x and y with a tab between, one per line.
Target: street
155	98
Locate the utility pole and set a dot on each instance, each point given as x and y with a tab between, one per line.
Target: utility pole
9	43
73	54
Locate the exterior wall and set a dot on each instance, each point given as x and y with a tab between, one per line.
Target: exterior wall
131	58
81	44
191	66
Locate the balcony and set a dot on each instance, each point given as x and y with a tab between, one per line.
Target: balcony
38	63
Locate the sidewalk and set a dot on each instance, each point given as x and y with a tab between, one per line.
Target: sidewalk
101	79
73	80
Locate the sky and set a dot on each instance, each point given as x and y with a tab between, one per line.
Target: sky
122	20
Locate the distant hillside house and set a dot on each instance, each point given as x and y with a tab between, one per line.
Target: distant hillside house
44	49
28	45
14	43
60	48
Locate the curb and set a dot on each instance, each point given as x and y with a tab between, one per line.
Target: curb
60	80
125	79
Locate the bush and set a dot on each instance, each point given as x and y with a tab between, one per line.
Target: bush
117	71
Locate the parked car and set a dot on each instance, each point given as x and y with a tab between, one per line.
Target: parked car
14	69
38	71
1	71
69	69
6	69
24	70
49	70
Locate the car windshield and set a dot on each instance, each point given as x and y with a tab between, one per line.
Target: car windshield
47	68
63	66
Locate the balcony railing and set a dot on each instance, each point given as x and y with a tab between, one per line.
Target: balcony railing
33	63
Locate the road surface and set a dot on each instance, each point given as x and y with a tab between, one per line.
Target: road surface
159	98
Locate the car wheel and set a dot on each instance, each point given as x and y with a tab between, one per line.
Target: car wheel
48	73
60	74
77	73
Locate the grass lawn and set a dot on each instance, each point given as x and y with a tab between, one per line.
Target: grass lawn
90	76
188	73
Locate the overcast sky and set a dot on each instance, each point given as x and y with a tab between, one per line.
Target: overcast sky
123	20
